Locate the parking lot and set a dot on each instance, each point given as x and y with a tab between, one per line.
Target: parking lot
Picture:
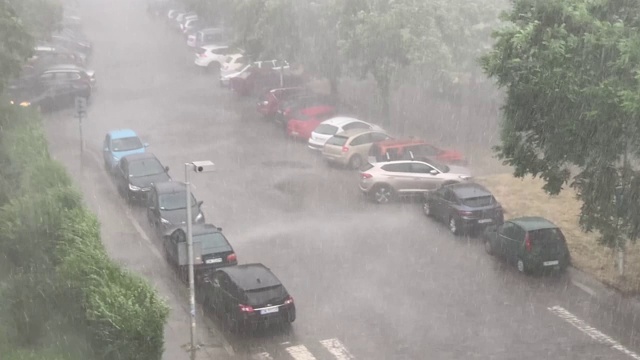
370	282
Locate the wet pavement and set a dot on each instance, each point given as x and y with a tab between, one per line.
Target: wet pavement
370	282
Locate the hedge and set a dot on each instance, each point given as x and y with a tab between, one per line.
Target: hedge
59	266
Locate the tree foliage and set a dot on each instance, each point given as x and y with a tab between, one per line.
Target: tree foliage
16	44
570	71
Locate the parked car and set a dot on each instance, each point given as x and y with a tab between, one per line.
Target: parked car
189	23
247	296
167	206
181	18
119	143
306	119
467	207
213	56
257	74
413	148
288	107
136	173
211	249
532	243
350	148
269	102
336	125
207	36
46	56
382	182
231	65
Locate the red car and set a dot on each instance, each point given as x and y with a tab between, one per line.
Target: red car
270	102
306	119
412	148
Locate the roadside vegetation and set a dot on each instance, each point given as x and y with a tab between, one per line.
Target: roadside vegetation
566	76
61	297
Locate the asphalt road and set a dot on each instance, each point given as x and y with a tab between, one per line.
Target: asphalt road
370	282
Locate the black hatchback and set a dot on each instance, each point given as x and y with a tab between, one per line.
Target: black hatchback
466	207
247	296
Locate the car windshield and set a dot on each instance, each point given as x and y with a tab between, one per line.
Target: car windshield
175	201
146	167
479	201
337	140
212	242
326	129
266	296
126	144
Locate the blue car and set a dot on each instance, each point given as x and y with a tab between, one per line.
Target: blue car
120	143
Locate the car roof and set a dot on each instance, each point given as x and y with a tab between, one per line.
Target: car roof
354	132
402	142
531	223
169	187
141	156
122	133
252	276
211	30
341	121
469	190
196	229
64	67
214	47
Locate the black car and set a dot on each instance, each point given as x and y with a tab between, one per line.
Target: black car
167	206
467	207
533	243
247	296
136	174
211	250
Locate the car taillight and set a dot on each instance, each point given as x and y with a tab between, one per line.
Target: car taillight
366	175
527	242
245	308
232	257
465	213
289	300
345	149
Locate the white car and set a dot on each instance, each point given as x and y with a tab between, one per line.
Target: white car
228	72
206	37
215	55
336	125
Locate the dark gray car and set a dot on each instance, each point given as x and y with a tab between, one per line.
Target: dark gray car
167	206
466	207
136	174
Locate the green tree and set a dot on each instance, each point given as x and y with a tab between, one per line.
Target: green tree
570	69
40	17
16	44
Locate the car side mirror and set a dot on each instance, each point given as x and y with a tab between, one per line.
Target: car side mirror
433	172
166	168
200	203
146	144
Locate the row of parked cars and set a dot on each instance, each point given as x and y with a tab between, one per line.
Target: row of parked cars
389	166
57	72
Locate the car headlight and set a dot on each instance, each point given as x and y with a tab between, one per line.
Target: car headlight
165	221
464	177
199	218
134	188
25	103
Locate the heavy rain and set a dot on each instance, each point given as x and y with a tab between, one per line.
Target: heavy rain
319	179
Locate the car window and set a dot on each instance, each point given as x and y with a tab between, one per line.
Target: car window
450	196
546	237
362	139
441	192
146	167
420	168
379	136
326	129
175	201
479	201
509	230
47	77
399	167
126	144
337	140
264	296
356	125
178	236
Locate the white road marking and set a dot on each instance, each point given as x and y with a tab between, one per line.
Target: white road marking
300	352
336	349
262	356
584	288
591	332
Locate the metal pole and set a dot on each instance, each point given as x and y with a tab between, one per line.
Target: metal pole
192	290
81	140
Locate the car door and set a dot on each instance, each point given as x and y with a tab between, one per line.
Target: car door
106	150
514	243
506	233
122	177
449	202
153	210
399	176
437	202
360	145
422	177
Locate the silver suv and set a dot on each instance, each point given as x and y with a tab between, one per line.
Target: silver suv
383	181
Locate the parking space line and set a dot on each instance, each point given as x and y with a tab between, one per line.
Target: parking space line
583	287
300	352
590	331
336	349
262	356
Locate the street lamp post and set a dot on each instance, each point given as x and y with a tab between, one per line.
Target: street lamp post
196	166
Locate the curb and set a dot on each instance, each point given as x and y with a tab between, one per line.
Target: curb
601	291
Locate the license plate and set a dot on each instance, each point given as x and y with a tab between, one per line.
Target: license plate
270	310
213	261
484	221
550	263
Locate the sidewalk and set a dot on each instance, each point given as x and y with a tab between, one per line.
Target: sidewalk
128	244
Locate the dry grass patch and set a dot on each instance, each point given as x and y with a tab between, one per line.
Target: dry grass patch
525	197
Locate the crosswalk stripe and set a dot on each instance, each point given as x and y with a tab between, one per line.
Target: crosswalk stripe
300	352
336	349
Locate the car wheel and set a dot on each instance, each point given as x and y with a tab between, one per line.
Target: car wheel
488	247
382	194
454	225
355	162
521	266
426	208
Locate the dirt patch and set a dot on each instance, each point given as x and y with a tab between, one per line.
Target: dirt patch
520	197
